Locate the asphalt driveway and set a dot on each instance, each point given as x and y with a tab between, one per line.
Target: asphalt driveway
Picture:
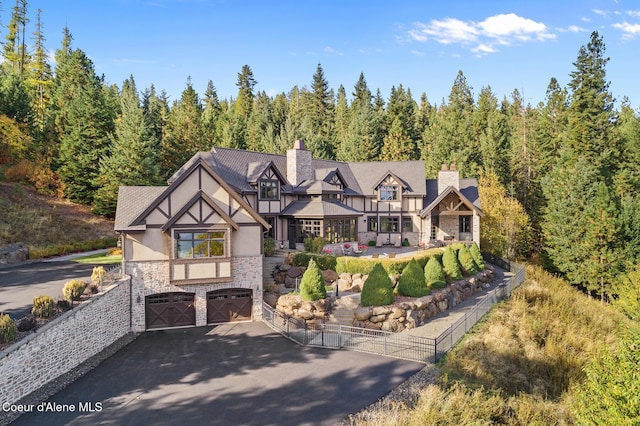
234	374
19	284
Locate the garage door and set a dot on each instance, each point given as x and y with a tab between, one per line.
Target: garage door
170	310
233	304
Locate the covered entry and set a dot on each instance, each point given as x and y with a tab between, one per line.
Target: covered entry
165	310
228	305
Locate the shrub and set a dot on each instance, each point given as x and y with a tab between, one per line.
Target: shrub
378	288
466	261
363	265
450	265
91	289
269	246
312	283
73	290
314	244
7	329
434	275
27	323
63	305
43	306
412	282
324	262
405	243
477	256
371	243
98	274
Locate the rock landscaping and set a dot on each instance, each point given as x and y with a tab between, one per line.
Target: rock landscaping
404	313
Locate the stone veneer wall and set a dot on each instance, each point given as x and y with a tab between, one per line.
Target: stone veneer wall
64	343
151	277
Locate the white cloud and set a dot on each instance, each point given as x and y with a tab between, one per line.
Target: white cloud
417	53
634	13
572	29
329	49
629	31
482	38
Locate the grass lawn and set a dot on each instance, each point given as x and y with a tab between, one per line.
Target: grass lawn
99	259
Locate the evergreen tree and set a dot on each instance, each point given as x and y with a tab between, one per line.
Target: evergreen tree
591	114
398	145
134	157
343	120
83	122
15	50
156	114
400	142
433	274
211	113
246	83
377	290
361	93
40	80
450	264
312	283
476	254
183	133
493	135
320	114
412	281
466	261
627	180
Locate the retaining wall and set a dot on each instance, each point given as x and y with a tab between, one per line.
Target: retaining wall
64	343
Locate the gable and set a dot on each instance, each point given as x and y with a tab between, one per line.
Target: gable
450	202
200	188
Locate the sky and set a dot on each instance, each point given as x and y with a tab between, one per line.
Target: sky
422	45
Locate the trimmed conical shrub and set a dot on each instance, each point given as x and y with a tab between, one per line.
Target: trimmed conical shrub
450	264
477	256
411	282
312	283
466	261
377	290
434	275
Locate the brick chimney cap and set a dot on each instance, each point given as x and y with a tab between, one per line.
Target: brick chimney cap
299	144
444	167
452	166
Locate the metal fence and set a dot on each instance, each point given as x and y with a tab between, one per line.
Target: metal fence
397	345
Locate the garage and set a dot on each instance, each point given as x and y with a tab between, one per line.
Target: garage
229	305
166	310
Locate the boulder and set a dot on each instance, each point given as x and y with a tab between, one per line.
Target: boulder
381	310
305	315
397	312
377	318
329	275
362	314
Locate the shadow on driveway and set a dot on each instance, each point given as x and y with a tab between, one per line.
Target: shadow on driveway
234	374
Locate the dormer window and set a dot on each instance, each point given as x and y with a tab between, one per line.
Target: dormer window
269	190
389	193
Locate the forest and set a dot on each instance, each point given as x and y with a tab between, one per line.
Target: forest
559	181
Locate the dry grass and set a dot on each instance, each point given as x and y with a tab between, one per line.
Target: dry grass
42	221
518	366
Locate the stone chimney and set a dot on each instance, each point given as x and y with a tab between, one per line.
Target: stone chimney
298	164
448	176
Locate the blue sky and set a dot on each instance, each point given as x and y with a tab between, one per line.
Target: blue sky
420	44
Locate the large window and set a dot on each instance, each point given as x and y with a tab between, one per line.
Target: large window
407	224
389	193
465	223
192	245
269	190
339	230
389	224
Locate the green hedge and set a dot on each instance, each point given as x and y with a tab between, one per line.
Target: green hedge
411	282
324	261
363	265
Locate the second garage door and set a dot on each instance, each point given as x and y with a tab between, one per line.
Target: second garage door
228	305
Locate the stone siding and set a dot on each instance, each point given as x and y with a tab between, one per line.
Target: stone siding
152	277
64	343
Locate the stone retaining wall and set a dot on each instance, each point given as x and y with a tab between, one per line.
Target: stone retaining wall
13	253
412	313
64	343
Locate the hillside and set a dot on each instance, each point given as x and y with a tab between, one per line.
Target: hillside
42	221
528	362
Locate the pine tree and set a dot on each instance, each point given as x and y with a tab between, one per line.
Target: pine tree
476	254
433	274
466	261
377	290
312	283
134	157
211	113
83	123
450	264
320	114
183	133
40	80
246	83
412	281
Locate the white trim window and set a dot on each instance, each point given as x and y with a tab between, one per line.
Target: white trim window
200	244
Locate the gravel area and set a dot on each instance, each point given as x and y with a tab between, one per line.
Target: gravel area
56	385
406	394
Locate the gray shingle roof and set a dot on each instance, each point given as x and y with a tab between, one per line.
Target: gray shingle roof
319	208
132	201
410	172
468	188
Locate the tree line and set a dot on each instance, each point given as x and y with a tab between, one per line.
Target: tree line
560	180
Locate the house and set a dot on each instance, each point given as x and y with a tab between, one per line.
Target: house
194	247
